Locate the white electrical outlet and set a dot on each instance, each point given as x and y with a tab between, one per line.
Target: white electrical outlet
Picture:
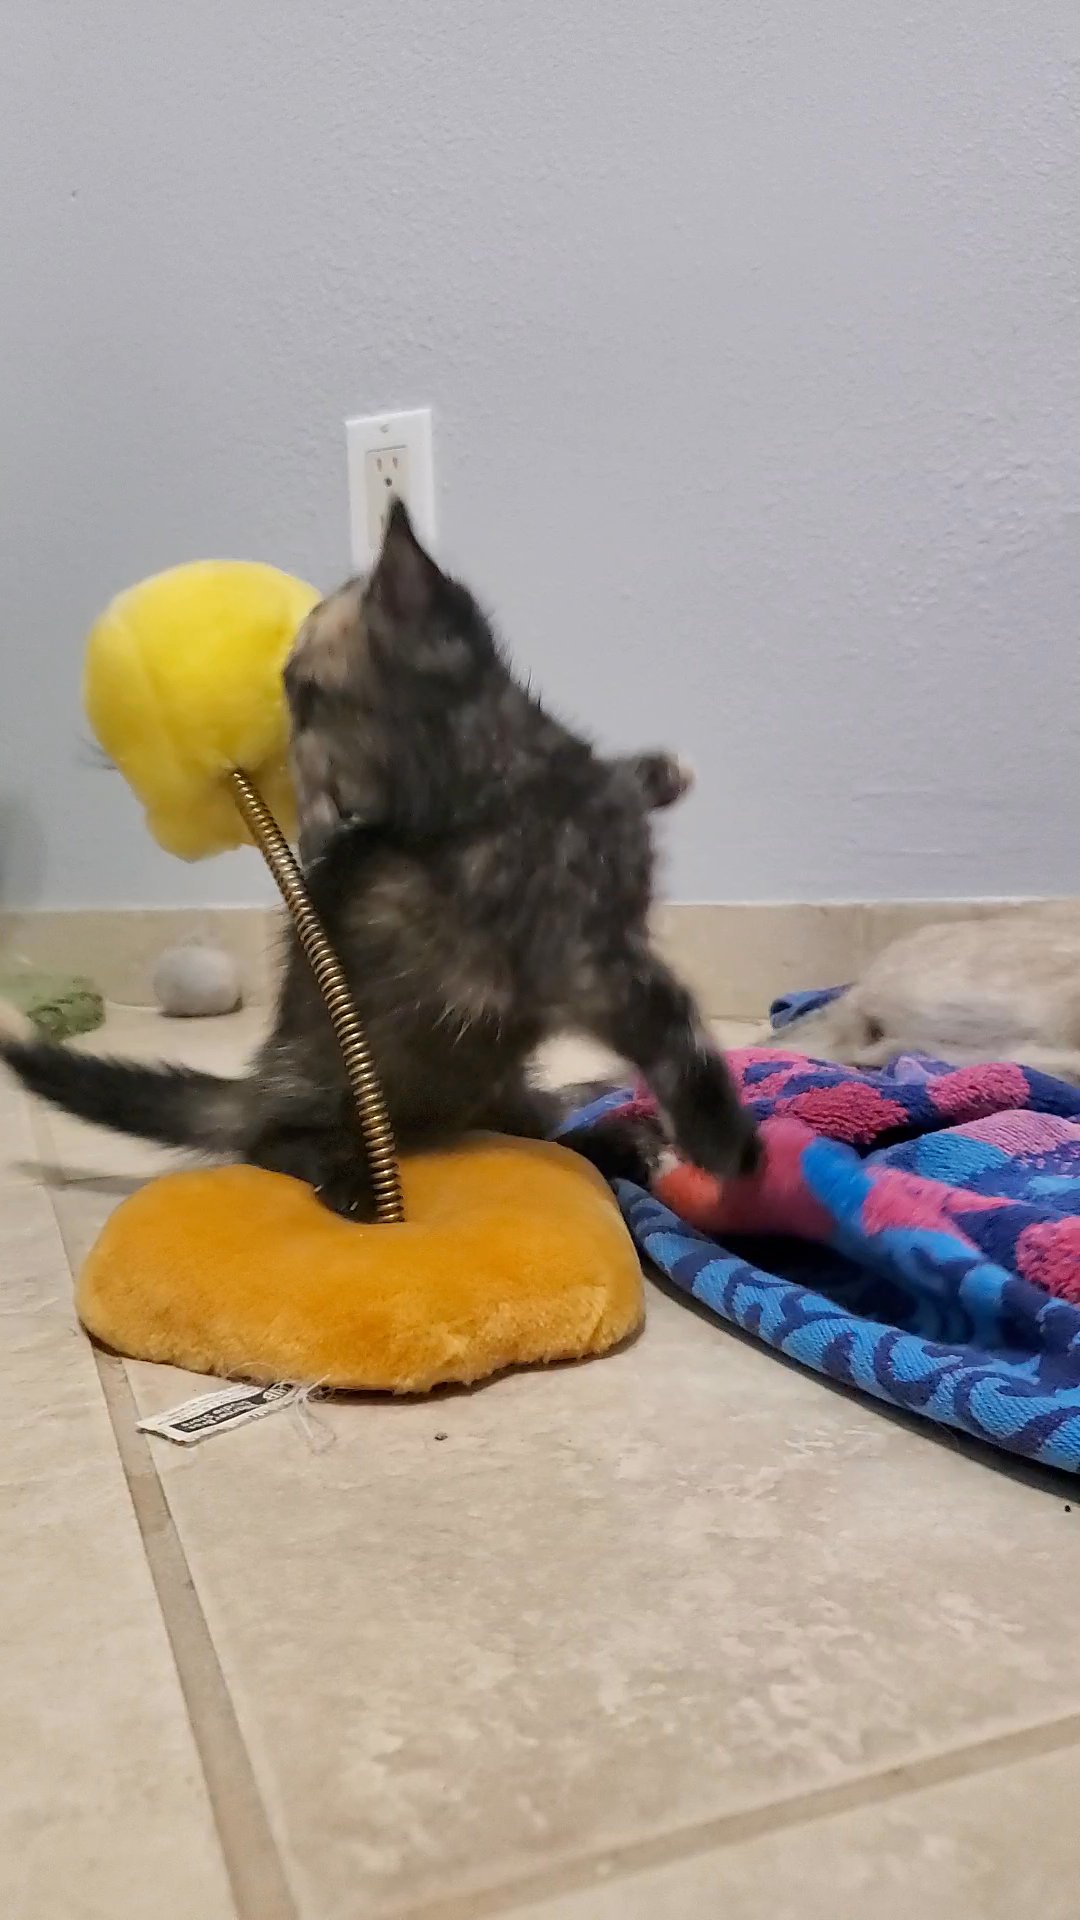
386	473
389	453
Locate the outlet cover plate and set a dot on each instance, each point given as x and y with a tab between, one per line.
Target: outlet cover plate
409	436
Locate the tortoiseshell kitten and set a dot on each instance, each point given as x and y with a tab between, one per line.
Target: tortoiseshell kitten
485	878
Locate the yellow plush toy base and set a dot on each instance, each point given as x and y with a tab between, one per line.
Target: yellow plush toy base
512	1252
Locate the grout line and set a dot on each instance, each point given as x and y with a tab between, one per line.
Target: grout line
252	1862
256	1875
612	1864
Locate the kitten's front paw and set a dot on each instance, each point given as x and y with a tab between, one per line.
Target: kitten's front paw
712	1127
729	1149
743	1149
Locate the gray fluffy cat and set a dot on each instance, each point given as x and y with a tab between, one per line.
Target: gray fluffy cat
486	879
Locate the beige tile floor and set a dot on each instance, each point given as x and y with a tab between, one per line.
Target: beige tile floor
677	1633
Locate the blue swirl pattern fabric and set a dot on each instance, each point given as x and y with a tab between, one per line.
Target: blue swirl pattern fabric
915	1234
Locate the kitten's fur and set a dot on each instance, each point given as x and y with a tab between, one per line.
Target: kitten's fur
491	887
1002	988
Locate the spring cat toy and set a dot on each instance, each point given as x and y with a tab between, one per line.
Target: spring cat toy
493	1253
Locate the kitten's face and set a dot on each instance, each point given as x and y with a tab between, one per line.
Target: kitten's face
363	659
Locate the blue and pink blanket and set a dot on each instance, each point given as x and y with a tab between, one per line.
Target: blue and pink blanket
914	1232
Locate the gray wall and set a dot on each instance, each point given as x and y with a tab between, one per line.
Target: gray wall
753	337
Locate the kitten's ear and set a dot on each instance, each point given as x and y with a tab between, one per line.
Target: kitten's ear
405	580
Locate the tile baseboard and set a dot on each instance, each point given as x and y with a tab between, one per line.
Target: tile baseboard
118	948
737	955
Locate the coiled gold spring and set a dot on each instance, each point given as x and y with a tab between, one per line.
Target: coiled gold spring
375	1127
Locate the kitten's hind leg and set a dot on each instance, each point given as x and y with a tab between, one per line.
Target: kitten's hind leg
621	1146
329	1159
649	1018
618	1147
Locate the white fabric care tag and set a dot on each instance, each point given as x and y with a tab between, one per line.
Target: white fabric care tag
219	1412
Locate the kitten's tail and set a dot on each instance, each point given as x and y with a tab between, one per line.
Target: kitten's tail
172	1104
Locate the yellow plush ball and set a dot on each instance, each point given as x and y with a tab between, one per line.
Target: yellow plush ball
182	683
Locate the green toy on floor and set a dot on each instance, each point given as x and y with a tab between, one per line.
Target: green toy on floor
57	1005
